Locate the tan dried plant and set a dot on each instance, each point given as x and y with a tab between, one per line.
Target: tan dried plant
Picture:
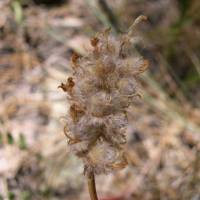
103	86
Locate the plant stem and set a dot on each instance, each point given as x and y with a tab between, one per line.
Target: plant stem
92	186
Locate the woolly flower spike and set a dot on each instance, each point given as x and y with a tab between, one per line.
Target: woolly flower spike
103	86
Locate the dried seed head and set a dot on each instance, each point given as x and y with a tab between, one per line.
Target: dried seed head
103	87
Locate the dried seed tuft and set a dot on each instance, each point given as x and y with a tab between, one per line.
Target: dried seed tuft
104	87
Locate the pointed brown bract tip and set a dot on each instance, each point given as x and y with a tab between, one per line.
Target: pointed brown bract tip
94	41
70	82
67	87
63	86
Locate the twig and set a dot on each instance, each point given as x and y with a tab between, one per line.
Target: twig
92	186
